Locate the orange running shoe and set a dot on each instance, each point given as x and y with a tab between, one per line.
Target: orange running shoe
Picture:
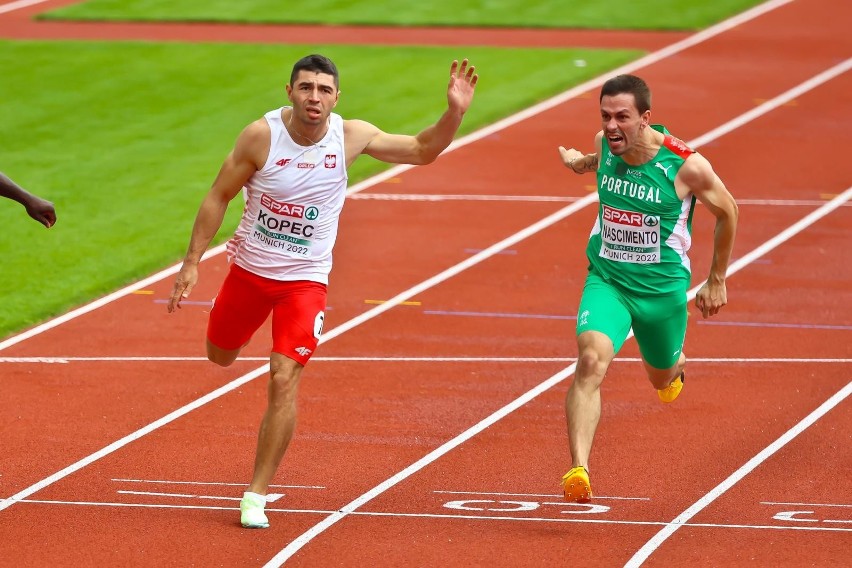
576	486
670	393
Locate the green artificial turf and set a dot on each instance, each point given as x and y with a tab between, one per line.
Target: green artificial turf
635	14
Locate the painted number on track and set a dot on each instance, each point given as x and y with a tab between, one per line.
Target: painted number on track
487	505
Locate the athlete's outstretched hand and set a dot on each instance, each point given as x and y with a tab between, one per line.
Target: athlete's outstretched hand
463	79
184	283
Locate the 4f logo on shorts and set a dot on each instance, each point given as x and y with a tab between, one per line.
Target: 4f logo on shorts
303	351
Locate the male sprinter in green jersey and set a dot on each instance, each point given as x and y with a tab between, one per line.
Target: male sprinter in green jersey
638	265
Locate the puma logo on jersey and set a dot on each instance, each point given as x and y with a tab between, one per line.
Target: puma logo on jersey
664	168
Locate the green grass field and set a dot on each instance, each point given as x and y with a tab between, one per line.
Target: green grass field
126	138
637	14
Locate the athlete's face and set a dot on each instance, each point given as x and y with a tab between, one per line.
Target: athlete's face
622	124
313	95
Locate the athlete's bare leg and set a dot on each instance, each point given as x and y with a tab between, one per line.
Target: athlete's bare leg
583	401
279	421
222	357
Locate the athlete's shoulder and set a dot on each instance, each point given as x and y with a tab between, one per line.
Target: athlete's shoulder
253	142
677	146
674	144
355	127
255	132
697	172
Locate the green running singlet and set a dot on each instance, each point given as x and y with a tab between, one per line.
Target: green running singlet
639	269
643	230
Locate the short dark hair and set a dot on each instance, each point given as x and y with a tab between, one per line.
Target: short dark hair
629	84
318	64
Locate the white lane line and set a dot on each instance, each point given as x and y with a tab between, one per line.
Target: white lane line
118	444
12	6
443	516
774	103
66	360
643	553
270	497
805	504
536	495
342	328
217	483
554	198
439	197
543	106
300	541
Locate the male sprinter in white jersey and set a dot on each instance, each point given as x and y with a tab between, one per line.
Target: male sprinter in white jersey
292	164
639	270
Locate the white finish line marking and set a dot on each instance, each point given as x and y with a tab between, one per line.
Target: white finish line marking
727	360
792	527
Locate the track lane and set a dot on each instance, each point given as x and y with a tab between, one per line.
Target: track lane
332	344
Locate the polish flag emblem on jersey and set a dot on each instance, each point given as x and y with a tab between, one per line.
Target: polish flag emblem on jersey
331	160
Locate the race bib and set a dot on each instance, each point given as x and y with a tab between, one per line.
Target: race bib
630	236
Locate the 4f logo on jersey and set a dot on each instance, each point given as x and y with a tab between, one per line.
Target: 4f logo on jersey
283	162
331	161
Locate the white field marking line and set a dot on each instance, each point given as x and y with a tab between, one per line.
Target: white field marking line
218	483
535	495
805	504
438	197
66	360
432	456
342	328
464	141
550	198
126	291
118	444
270	497
438	516
759	110
517	237
643	553
548	104
12	6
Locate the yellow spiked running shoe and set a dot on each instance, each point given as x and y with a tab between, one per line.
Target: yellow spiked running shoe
670	393
576	486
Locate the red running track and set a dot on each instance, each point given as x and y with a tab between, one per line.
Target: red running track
749	467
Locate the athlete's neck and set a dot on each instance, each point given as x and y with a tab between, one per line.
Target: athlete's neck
311	138
646	148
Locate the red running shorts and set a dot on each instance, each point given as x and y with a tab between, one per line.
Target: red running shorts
246	300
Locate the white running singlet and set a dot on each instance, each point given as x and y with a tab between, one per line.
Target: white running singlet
292	206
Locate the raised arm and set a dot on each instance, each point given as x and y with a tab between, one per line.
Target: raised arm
365	138
247	157
581	163
39	209
698	176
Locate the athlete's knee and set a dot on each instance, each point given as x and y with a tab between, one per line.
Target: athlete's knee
284	377
222	357
591	367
